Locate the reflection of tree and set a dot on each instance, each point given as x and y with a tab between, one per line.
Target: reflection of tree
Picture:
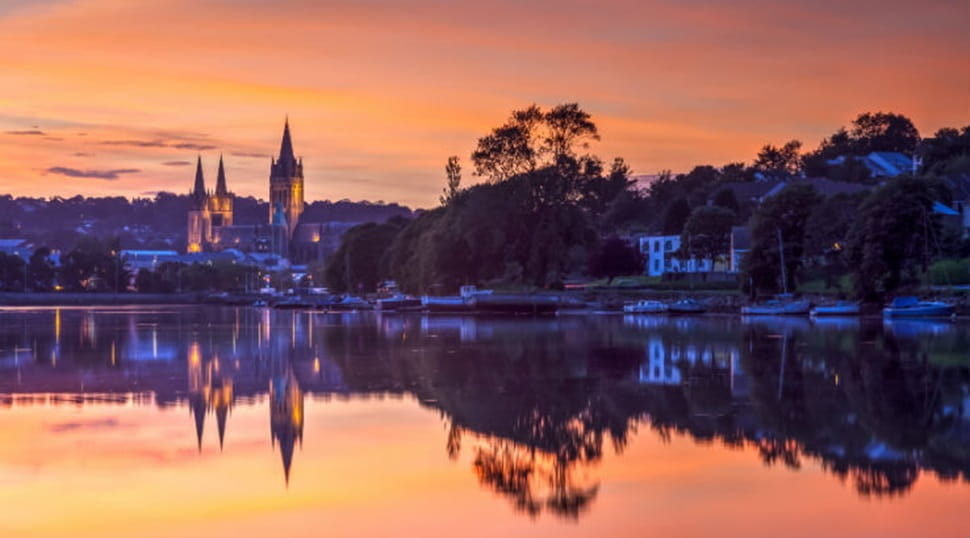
534	480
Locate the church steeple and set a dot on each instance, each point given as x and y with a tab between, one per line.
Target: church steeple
287	159
198	193
221	189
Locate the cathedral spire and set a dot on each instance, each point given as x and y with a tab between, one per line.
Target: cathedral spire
221	189
199	191
287	159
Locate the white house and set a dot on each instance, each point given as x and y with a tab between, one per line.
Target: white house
659	251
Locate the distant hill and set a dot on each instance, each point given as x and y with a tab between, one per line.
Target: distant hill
157	222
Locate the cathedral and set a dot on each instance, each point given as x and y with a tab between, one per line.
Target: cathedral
210	220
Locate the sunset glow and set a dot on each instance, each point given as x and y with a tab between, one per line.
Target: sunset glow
113	97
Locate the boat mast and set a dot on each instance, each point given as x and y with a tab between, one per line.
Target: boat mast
781	253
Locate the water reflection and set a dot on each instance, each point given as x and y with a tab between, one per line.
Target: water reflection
534	403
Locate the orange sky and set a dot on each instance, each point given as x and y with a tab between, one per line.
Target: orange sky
114	97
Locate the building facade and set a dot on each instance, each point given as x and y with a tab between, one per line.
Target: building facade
660	255
211	225
286	184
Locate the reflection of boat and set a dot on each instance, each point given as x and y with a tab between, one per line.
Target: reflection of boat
915	327
686	307
259	303
911	307
777	307
645	307
841	308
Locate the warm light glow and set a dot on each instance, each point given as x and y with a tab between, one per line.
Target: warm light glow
379	96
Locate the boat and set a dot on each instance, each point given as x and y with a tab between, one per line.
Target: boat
645	306
351	303
685	307
259	303
398	302
841	308
516	303
778	307
912	307
292	303
448	303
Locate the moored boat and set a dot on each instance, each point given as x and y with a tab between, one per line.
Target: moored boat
398	302
912	307
514	303
645	306
841	308
686	307
776	307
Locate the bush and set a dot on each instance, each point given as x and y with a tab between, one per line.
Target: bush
950	273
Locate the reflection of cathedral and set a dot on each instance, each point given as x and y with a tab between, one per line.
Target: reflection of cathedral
286	415
210	390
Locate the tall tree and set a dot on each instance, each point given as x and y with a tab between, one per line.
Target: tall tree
892	241
707	233
42	270
615	257
781	218
884	131
784	160
568	125
453	174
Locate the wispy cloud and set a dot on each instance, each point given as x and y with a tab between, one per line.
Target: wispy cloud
28	132
250	155
176	163
86	425
159	144
109	175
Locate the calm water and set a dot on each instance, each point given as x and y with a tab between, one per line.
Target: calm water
236	422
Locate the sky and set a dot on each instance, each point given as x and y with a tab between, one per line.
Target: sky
119	97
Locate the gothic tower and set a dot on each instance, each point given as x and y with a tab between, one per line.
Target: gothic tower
220	204
199	223
286	183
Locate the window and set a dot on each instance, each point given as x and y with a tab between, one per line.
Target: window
668	245
656	246
656	266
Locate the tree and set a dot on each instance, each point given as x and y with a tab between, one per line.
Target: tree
889	244
453	173
675	217
42	270
362	260
11	272
567	126
725	198
707	233
881	131
615	257
779	161
93	266
520	145
781	217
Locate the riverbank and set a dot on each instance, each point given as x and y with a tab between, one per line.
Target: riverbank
97	299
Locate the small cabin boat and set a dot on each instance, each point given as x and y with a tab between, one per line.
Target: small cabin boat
778	307
398	302
912	307
841	308
685	307
645	307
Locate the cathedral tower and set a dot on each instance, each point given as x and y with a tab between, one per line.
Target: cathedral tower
286	183
199	227
220	204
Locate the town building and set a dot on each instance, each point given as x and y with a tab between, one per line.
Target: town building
211	225
661	253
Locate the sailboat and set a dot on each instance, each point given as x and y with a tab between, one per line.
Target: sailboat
783	304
